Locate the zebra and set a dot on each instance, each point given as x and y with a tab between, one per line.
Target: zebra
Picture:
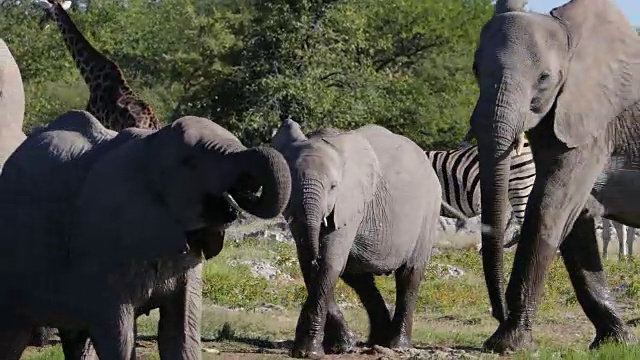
459	173
626	236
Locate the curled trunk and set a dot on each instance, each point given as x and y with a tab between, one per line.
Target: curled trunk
267	169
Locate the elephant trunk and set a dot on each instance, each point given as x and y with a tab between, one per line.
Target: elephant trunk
313	215
495	158
268	169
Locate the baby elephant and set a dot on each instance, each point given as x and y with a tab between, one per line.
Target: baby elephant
364	202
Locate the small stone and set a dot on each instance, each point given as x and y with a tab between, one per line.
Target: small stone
384	351
211	351
448	271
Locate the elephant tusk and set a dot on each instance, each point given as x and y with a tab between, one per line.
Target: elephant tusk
519	143
324	221
228	198
486	230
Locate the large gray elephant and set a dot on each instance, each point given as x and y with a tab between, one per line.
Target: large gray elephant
364	202
571	81
100	225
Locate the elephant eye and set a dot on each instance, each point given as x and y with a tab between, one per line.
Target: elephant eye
544	76
333	186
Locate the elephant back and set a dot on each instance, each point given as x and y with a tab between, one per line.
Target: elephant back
12	104
51	163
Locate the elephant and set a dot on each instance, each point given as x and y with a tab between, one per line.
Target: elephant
363	202
100	226
570	80
11	104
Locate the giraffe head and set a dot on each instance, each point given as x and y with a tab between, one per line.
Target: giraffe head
50	7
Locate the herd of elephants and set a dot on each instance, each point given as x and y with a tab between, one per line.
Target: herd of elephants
107	213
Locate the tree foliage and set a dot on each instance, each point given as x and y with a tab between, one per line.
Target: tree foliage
403	64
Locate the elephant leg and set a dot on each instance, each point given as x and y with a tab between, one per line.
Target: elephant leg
313	317
557	199
582	260
606	236
180	315
337	337
379	316
311	323
113	338
408	280
76	345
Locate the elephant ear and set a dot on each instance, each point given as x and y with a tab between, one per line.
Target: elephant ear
599	79
286	135
361	173
504	6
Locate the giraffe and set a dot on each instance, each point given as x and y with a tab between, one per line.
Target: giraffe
111	99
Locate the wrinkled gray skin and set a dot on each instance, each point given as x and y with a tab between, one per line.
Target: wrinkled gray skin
101	227
571	81
364	202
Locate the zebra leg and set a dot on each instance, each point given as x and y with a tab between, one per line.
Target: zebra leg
606	236
621	233
631	236
515	237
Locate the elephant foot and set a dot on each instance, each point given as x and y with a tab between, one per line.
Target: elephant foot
338	342
622	335
400	342
307	348
378	337
508	339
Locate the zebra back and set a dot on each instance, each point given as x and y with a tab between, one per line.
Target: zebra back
459	174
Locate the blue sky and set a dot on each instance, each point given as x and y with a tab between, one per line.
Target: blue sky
631	8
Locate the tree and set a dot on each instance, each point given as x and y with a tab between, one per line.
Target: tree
403	64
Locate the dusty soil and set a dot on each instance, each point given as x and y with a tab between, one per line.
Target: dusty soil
252	349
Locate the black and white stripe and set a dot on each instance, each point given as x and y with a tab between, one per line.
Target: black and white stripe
459	174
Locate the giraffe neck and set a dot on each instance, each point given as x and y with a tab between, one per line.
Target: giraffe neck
86	57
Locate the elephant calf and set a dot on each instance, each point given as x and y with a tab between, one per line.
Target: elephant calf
363	203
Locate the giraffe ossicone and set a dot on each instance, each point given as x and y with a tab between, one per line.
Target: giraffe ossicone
49	4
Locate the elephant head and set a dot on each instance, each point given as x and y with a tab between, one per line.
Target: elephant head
334	174
49	11
571	72
11	104
175	182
